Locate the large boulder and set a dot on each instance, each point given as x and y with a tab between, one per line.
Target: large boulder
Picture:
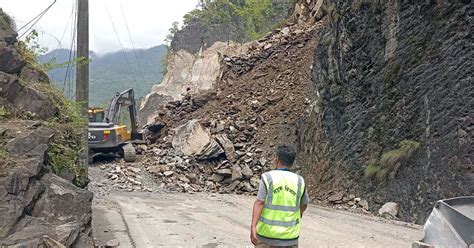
10	59
31	143
389	210
22	99
191	138
188	73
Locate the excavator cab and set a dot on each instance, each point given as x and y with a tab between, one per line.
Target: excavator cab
96	114
114	129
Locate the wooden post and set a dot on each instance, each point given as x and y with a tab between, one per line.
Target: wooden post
82	71
82	68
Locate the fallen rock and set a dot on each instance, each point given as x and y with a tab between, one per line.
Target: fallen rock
224	172
227	145
246	171
336	197
212	150
389	210
168	173
364	204
236	172
191	138
217	178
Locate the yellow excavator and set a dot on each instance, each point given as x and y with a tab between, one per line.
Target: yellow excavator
114	129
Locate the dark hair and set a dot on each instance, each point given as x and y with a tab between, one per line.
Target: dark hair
286	154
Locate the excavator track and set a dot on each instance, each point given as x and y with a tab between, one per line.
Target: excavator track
129	153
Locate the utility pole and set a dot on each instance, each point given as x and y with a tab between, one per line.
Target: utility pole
82	67
82	71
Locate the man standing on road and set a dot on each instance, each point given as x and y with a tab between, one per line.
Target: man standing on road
281	201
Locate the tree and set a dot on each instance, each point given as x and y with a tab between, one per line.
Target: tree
172	31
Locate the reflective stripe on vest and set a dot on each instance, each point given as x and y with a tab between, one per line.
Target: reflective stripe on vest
268	203
280	218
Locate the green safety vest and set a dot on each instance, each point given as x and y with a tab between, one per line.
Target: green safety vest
280	218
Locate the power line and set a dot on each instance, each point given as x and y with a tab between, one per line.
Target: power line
131	41
67	85
120	43
65	28
35	20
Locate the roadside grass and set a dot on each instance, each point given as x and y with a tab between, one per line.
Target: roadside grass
68	143
390	162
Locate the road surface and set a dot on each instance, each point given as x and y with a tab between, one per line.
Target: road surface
160	219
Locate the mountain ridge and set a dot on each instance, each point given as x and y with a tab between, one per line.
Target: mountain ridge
111	72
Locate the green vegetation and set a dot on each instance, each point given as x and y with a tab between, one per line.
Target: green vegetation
405	150
390	162
172	31
242	20
110	73
68	142
372	170
30	49
3	112
164	62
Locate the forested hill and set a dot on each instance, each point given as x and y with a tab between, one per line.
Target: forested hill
114	72
223	20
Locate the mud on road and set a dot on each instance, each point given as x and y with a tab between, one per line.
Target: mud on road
168	219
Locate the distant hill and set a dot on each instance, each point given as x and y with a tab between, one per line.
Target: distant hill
113	72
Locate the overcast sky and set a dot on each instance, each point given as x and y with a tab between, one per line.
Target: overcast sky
148	20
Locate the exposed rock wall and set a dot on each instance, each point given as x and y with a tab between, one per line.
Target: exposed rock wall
187	74
388	71
37	207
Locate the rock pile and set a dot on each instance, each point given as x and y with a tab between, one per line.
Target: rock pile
280	40
204	161
126	177
347	201
235	127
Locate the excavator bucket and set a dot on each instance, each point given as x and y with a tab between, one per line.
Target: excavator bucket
451	224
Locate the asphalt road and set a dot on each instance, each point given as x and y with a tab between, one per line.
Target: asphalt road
159	219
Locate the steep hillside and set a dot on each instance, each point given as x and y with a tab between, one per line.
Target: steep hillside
41	178
113	72
395	114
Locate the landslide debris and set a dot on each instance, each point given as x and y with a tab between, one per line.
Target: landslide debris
38	135
187	73
222	140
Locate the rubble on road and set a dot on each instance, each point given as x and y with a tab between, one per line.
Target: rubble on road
225	173
125	176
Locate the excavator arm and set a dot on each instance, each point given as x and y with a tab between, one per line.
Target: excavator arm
125	99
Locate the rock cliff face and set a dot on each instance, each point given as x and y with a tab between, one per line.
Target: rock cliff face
395	111
37	207
187	74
